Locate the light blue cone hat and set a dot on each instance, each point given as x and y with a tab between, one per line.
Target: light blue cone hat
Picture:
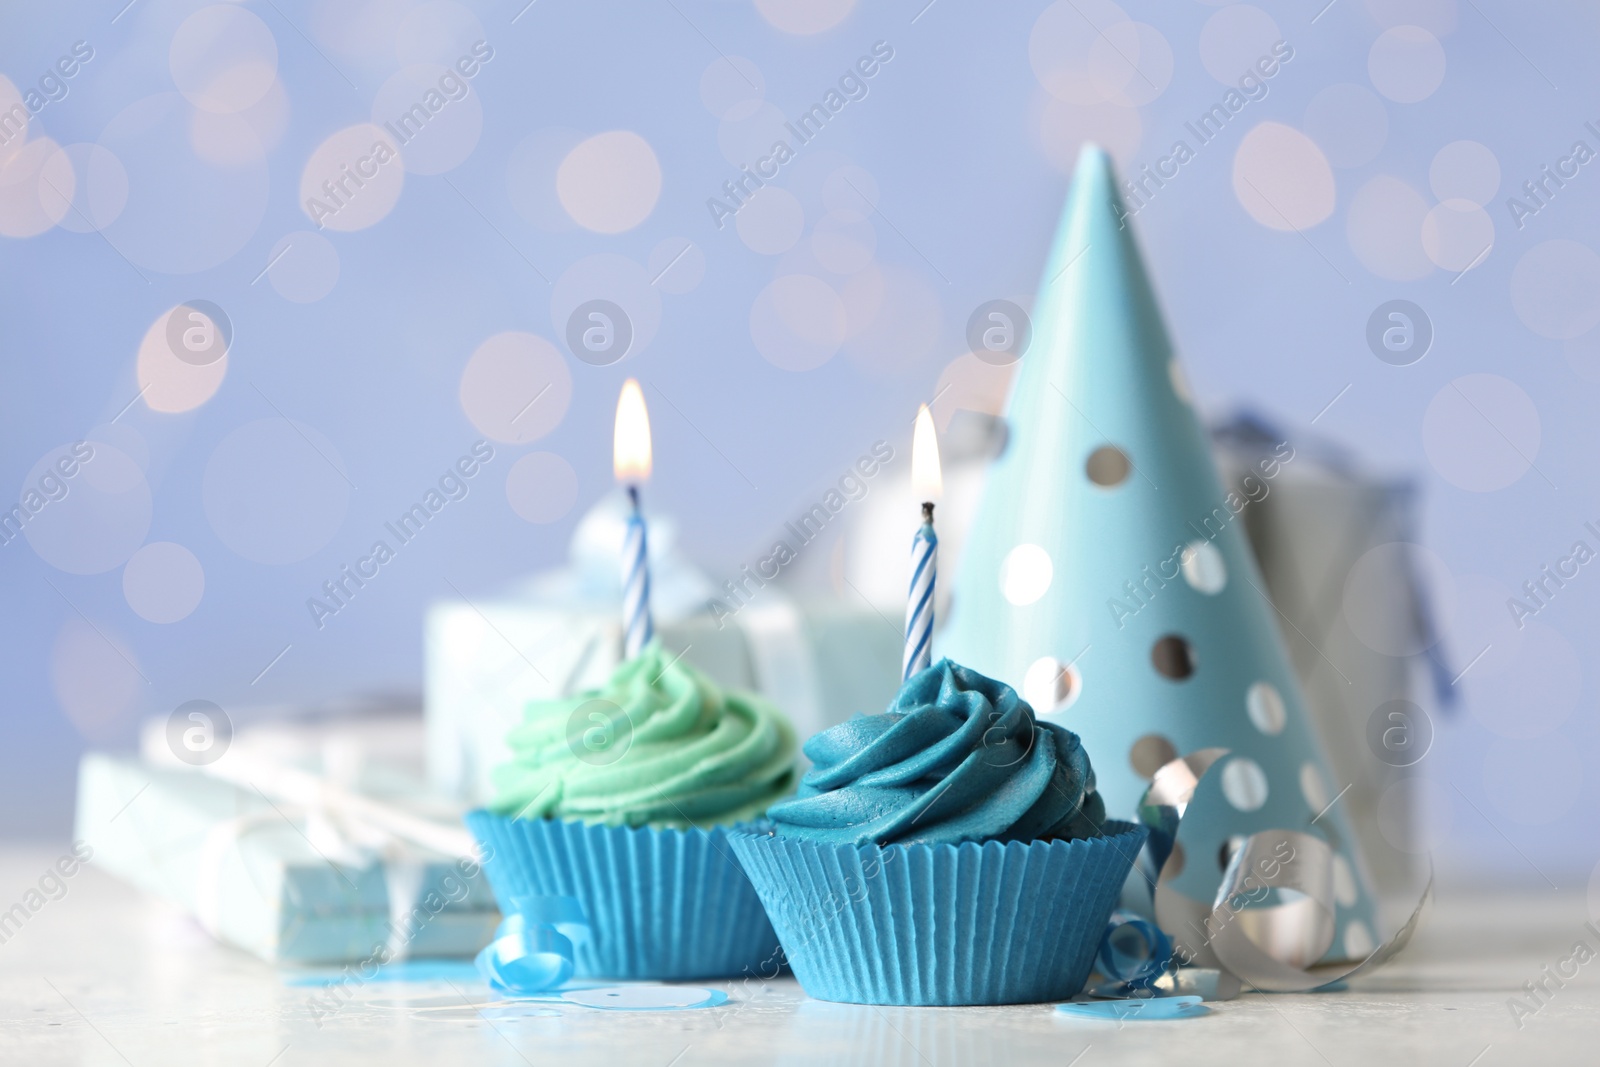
1108	576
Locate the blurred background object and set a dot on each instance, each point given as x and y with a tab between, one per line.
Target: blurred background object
304	836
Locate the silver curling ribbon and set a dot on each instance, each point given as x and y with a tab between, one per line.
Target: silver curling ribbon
1171	789
1162	809
1273	915
1207	983
1272	945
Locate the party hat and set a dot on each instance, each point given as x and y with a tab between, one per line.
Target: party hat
1108	572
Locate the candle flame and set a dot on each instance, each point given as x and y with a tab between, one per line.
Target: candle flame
926	479
630	450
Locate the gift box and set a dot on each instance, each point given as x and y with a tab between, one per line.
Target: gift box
288	882
1310	528
561	633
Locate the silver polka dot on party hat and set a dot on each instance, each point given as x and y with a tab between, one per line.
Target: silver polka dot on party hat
1150	753
1265	707
1108	465
1244	783
1173	657
1358	943
1050	685
1203	567
1344	882
1313	788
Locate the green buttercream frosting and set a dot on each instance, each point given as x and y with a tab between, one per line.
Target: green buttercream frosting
658	745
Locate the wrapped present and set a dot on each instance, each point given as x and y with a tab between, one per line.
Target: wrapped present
1311	527
561	633
288	872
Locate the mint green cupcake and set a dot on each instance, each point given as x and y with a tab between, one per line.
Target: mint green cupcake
620	798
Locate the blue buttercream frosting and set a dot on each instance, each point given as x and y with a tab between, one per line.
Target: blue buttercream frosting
957	757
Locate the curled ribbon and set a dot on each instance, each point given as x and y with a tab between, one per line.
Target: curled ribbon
1137	957
1134	950
532	948
1273	948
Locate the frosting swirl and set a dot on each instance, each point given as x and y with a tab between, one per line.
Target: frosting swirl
658	745
957	757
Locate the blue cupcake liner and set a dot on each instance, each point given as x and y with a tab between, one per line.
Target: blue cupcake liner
663	905
993	923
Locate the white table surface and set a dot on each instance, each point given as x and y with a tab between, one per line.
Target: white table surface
106	976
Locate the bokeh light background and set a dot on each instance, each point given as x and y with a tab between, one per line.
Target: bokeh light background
373	345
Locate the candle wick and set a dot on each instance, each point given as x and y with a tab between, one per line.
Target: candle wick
633	495
927	512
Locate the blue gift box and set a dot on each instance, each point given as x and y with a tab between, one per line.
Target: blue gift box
274	879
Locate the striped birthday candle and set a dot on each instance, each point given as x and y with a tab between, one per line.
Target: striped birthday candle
919	601
637	623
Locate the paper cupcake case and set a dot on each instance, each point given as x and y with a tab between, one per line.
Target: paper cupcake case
993	923
664	905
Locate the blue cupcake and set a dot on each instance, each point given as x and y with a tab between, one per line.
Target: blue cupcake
950	851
